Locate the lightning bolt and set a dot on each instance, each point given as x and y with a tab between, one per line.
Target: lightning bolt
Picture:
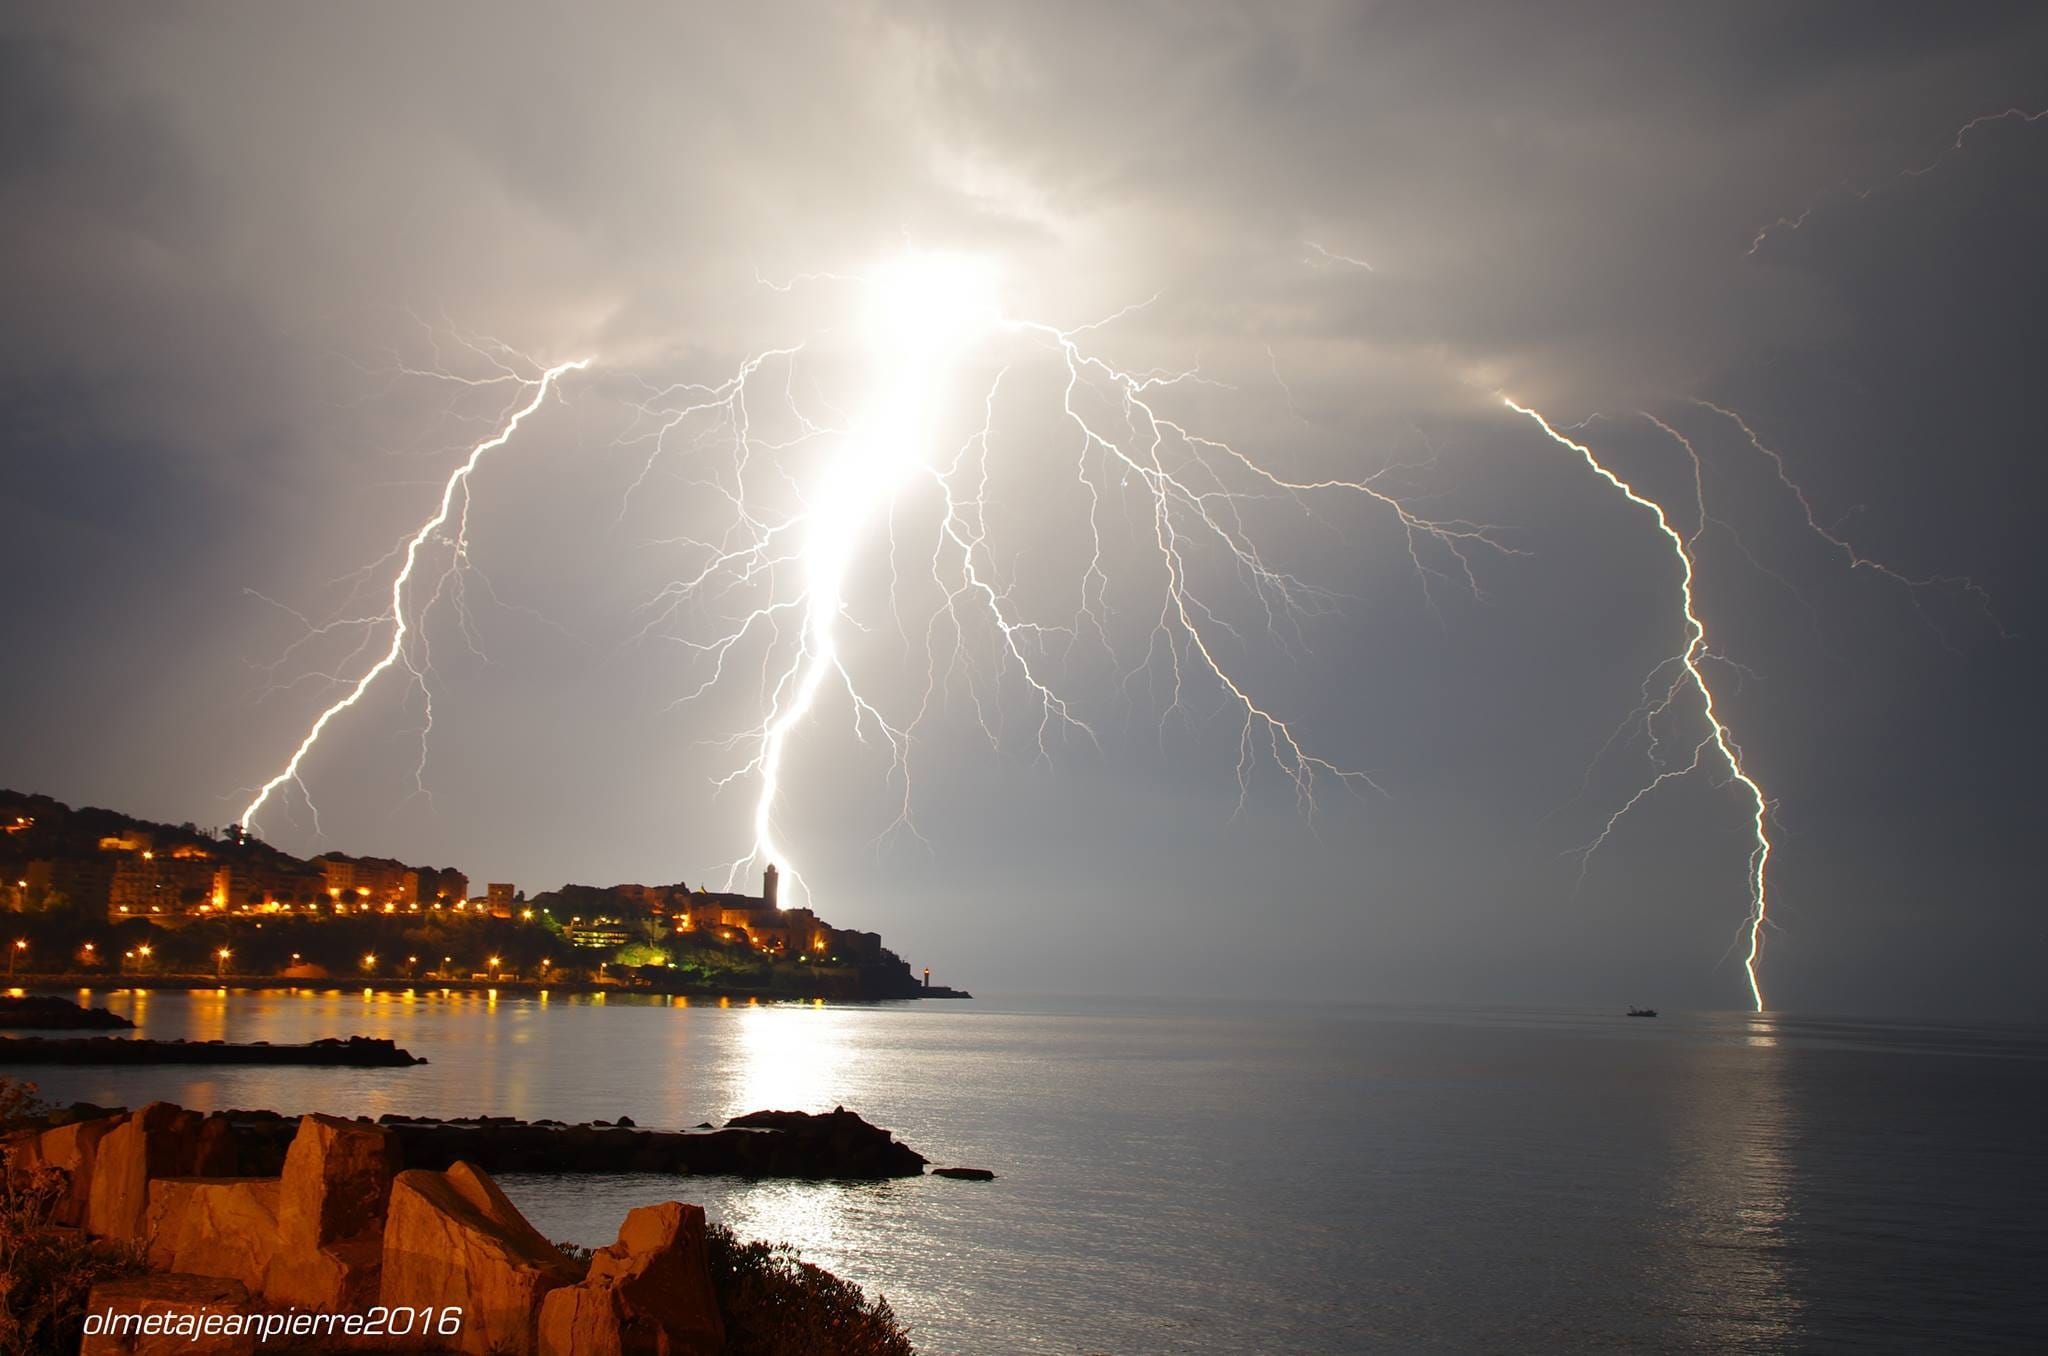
1326	257
1187	493
1856	560
1864	193
778	574
1689	662
454	504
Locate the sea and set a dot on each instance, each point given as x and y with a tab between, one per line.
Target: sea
1196	1177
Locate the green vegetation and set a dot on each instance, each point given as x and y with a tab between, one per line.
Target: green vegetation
775	1304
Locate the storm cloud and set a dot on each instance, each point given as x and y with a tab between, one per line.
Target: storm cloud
229	229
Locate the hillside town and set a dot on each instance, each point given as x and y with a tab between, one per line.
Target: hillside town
99	892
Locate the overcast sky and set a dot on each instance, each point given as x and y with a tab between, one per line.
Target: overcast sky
239	238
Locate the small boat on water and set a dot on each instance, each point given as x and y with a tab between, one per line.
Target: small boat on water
1642	1012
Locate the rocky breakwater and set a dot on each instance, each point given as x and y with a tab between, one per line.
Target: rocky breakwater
346	1250
46	1012
837	1144
360	1052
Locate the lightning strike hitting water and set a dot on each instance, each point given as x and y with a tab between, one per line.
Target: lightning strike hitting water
1688	661
396	653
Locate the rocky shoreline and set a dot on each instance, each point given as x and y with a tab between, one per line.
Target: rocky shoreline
258	1219
355	1052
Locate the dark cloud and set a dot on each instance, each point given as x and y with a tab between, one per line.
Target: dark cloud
225	226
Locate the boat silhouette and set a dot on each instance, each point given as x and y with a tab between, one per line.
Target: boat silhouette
1642	1012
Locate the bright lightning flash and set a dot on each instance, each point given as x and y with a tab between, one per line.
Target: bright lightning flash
1689	661
923	313
399	653
1188	497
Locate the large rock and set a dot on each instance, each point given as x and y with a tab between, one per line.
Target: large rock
72	1149
178	1309
330	1215
453	1239
220	1226
649	1294
161	1140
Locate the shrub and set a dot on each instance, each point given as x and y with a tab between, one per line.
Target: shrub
775	1304
19	1102
47	1273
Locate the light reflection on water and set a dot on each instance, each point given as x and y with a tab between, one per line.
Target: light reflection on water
1331	1180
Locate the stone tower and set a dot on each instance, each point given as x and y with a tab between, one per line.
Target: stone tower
770	880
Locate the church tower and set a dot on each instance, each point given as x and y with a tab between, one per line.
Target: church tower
770	879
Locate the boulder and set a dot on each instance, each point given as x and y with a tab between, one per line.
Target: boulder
965	1174
649	1294
341	1278
72	1149
214	1226
161	1140
179	1308
336	1182
330	1215
453	1239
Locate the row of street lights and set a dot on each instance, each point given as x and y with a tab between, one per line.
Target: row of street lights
223	955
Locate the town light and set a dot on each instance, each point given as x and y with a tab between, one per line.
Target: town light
221	961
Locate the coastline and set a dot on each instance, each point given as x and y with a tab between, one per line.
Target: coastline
76	983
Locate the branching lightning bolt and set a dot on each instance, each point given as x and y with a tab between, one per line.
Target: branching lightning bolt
1848	551
1190	491
1689	660
454	504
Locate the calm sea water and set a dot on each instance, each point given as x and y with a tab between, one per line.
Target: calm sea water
1185	1178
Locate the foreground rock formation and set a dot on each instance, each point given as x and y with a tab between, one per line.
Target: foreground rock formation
342	1229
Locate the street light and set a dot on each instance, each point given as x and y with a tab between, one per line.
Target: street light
220	966
14	953
369	962
494	967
